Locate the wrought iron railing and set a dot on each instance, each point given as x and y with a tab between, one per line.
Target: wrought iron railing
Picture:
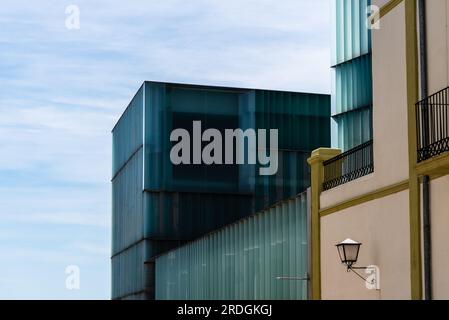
349	166
432	122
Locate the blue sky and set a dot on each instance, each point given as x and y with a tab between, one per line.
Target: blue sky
61	92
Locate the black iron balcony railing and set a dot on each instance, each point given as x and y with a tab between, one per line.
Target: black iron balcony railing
432	119
349	166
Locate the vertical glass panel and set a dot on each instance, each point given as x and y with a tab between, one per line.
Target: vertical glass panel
354	88
128	272
127	135
242	259
354	127
127	213
352	37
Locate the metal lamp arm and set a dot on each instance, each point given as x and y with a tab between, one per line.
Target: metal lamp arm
358	274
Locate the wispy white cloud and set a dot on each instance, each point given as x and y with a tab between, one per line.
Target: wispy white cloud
82	219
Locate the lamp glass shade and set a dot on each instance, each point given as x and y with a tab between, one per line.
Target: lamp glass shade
348	251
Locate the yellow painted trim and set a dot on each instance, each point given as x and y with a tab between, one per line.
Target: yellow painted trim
435	166
434	176
374	195
317	176
411	37
389	6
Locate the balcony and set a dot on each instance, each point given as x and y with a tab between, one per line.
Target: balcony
432	122
349	166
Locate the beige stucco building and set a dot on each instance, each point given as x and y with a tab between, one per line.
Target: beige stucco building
383	192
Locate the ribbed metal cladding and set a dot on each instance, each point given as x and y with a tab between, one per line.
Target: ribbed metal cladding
242	260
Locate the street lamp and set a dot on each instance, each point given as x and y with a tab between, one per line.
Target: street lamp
348	251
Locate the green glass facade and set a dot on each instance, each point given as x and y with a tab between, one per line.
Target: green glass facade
242	260
352	93
157	206
352	36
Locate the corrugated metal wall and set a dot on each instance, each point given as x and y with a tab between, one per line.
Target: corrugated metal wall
353	97
242	261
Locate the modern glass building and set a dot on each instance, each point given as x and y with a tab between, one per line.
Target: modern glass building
158	206
352	94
